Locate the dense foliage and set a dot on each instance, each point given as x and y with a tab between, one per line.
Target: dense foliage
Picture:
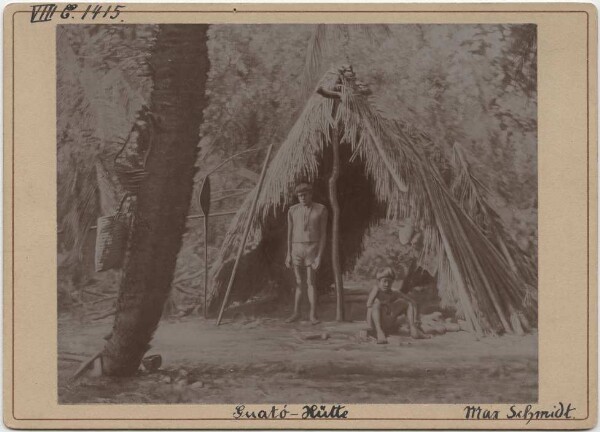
468	84
102	81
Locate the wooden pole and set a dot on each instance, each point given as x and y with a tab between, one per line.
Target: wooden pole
245	235
336	265
335	226
205	207
85	365
205	266
201	216
196	216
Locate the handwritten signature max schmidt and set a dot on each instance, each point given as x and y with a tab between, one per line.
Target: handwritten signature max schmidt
527	412
279	413
337	411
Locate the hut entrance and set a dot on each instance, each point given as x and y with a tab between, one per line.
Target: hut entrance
385	169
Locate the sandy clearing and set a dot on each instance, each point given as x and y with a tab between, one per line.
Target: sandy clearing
265	361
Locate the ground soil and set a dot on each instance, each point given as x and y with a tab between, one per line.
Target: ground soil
265	360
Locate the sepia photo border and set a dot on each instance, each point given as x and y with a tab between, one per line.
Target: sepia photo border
565	169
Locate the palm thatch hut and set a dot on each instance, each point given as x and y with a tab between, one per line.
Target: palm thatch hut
390	171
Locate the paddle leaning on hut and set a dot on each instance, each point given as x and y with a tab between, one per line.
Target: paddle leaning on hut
368	167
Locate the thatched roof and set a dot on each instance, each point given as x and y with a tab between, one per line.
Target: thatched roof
391	173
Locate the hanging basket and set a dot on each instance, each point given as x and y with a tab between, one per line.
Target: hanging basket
111	241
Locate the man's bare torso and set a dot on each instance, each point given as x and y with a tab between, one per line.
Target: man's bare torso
306	222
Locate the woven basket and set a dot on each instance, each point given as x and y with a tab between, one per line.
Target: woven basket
111	241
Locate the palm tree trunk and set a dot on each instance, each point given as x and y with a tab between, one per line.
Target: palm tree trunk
179	63
335	226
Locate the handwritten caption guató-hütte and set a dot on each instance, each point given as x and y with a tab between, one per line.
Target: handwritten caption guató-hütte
520	412
281	412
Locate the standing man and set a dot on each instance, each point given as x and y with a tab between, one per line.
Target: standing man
307	234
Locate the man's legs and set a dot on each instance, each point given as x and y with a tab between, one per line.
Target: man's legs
370	324
412	316
312	293
376	316
298	270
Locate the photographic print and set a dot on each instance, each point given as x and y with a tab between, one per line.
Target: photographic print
300	216
277	213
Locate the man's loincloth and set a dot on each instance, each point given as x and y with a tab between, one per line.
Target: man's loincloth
393	310
304	253
390	314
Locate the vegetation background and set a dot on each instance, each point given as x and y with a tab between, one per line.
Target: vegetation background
471	84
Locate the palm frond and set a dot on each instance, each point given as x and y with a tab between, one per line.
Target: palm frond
472	195
472	273
314	55
321	41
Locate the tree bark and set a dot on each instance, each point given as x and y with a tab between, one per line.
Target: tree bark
179	63
335	225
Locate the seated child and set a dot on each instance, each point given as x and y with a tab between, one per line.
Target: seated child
385	305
